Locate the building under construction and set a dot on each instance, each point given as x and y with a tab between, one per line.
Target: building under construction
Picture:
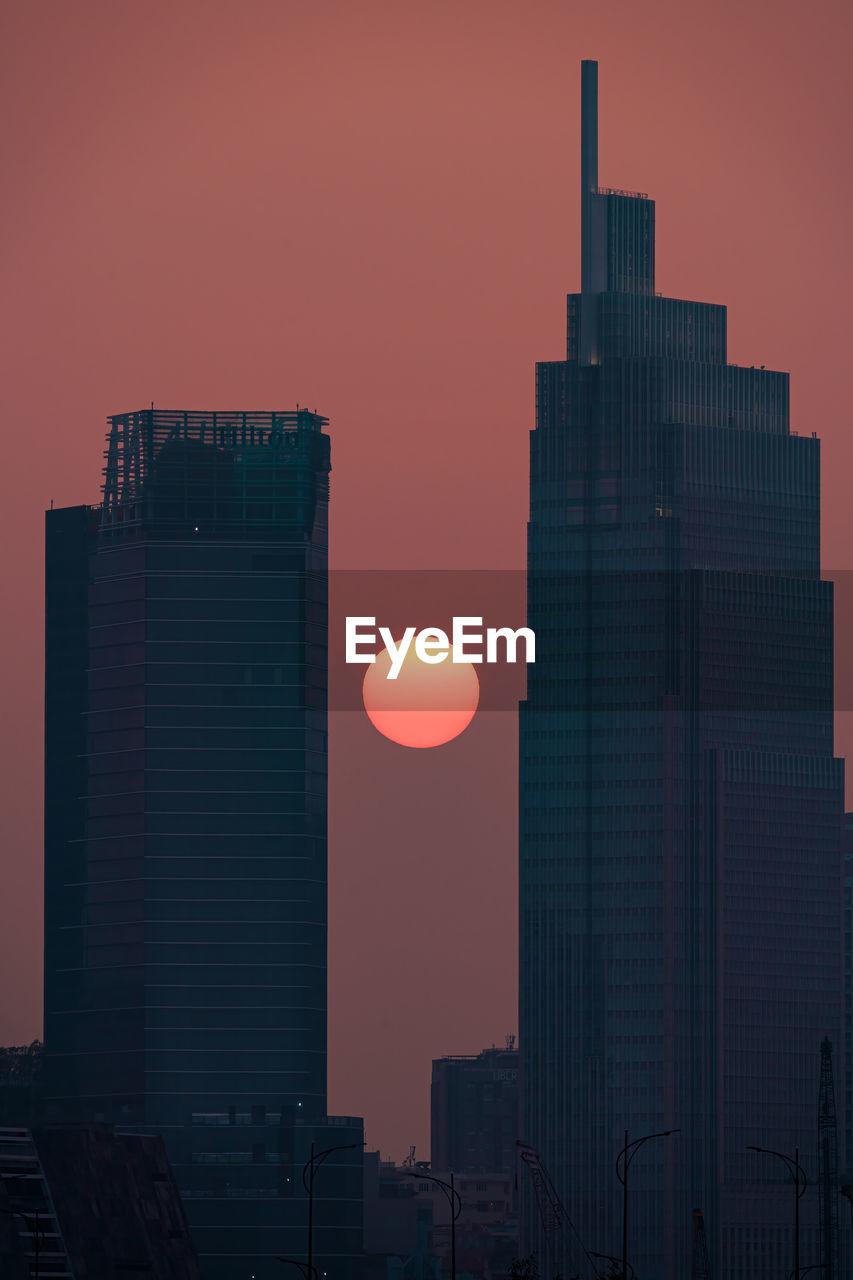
185	824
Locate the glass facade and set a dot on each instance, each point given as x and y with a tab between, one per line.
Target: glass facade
186	778
680	806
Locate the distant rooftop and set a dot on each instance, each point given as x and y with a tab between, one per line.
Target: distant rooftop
618	191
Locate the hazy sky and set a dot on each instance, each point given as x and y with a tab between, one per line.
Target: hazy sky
372	209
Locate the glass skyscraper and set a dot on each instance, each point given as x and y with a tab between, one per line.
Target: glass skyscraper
680	806
185	821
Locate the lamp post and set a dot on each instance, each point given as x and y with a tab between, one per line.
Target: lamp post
623	1164
798	1177
455	1201
309	1172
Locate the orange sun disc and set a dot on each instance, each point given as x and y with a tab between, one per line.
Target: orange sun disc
428	704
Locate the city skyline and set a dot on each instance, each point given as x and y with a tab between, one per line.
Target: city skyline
80	252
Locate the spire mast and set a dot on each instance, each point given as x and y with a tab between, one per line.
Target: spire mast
589	166
591	255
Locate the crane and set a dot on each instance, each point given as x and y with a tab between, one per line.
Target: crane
556	1224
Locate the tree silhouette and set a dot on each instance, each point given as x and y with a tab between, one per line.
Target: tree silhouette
528	1269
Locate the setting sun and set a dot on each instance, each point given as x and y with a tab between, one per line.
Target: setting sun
428	704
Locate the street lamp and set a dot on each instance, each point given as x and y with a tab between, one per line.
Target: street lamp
606	1257
623	1164
798	1176
309	1172
455	1201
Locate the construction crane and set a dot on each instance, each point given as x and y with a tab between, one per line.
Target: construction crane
701	1269
556	1224
827	1133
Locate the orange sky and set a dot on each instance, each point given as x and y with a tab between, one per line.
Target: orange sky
371	209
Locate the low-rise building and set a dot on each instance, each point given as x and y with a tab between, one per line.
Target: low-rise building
83	1200
254	1160
474	1110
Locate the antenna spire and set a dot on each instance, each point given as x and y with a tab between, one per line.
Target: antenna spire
589	165
591	227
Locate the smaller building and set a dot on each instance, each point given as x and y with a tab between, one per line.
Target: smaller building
20	1084
474	1111
487	1224
408	1231
398	1225
244	1189
83	1200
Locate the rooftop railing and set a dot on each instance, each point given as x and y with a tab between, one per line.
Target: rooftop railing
618	191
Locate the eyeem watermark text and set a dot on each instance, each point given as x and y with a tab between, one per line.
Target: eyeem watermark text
465	643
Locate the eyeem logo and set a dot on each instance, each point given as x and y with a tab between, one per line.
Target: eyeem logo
433	645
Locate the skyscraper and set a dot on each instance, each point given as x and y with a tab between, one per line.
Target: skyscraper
847	845
680	806
185	817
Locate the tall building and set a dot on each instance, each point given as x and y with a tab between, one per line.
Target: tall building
185	815
474	1111
847	1148
680	806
